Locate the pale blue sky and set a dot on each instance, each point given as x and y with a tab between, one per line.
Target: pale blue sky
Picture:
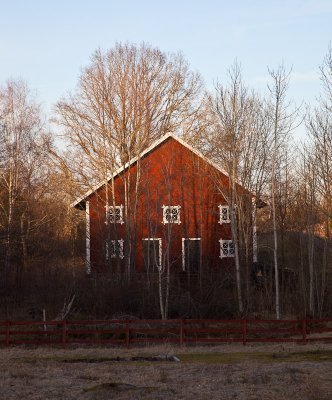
48	42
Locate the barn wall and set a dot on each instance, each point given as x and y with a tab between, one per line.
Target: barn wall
169	175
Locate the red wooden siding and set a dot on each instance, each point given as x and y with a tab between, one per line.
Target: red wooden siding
170	174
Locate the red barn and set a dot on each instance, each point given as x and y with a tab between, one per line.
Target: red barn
162	209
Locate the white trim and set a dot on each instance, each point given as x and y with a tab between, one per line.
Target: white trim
87	239
108	220
106	251
254	230
146	151
228	241
183	253
165	221
160	250
221	221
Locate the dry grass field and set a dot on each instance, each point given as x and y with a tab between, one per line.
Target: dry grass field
220	372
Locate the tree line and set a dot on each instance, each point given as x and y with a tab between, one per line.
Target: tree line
126	98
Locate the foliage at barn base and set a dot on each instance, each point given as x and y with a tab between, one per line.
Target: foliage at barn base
212	295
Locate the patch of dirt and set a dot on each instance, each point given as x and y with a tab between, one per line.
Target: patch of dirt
110	389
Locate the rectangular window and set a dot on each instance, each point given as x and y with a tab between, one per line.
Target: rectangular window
114	249
152	254
191	254
226	248
224	216
171	215
115	214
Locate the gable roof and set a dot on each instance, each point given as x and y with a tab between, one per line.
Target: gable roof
80	201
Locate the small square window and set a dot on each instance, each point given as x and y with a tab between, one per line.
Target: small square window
114	249
171	215
224	216
115	214
226	248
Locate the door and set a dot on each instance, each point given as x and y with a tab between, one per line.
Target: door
191	254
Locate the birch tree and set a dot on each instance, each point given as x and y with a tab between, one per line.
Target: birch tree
20	129
282	123
239	143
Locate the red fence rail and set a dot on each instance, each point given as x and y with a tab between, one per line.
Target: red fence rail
181	331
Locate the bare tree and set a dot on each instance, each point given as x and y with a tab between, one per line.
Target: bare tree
282	124
319	169
127	97
308	198
326	78
239	143
20	155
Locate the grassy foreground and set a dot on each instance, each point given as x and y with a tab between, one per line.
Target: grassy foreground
222	372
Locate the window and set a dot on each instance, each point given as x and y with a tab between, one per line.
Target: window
191	254
224	217
114	249
226	248
115	214
171	215
152	254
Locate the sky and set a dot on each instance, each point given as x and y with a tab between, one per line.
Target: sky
47	43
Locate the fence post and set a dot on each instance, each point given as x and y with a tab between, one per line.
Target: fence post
7	338
181	331
244	331
127	334
64	334
304	331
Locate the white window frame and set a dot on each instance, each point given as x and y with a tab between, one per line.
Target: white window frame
160	250
228	242
114	255
87	239
183	252
110	217
165	208
221	220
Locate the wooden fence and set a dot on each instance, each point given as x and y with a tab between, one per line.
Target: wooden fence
180	331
